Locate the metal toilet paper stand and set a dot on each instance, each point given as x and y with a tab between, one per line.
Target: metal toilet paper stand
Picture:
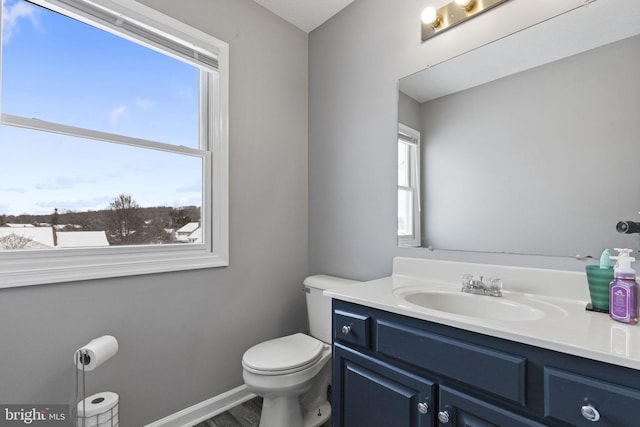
107	418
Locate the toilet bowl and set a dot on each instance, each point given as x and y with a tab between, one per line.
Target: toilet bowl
286	383
293	373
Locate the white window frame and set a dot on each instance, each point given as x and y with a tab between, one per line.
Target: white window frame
411	136
26	267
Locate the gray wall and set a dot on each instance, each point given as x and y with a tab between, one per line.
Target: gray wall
182	334
355	61
409	112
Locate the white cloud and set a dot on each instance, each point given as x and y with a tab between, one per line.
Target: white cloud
76	204
123	111
185	201
55	184
62	182
187	188
140	166
144	104
185	93
118	114
13	14
13	190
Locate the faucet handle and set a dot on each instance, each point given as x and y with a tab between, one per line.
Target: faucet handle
495	286
495	283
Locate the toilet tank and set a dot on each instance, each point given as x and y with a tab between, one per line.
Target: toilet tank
319	306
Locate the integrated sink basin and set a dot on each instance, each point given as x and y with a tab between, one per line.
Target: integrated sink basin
510	307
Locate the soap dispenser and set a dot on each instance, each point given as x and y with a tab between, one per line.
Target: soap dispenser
623	289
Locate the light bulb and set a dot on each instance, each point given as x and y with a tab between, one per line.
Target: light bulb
429	16
465	4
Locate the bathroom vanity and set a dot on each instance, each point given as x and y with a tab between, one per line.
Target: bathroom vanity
405	352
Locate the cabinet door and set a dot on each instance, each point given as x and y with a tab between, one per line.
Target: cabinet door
371	393
458	409
582	401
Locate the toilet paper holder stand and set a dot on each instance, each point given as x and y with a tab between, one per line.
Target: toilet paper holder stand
82	358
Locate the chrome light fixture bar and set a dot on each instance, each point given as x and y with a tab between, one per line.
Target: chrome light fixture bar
435	21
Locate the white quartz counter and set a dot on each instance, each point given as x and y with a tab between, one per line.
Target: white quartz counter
575	331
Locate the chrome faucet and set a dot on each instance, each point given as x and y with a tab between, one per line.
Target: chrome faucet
489	286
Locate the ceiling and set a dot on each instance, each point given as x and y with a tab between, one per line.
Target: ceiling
305	14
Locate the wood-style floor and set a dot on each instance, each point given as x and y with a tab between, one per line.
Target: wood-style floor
245	415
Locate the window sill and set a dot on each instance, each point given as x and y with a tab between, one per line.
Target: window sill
39	268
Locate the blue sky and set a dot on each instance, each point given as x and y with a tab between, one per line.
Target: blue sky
60	70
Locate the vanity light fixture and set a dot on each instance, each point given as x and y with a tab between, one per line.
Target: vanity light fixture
458	11
430	17
466	4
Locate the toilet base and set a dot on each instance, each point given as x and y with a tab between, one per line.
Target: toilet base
276	409
316	418
279	408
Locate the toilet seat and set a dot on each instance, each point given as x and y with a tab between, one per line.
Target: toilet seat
283	355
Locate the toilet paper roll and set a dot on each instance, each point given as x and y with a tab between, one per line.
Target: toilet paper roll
98	410
95	353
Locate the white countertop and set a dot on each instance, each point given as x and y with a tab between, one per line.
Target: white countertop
571	330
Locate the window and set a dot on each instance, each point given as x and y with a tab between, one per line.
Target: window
113	134
408	186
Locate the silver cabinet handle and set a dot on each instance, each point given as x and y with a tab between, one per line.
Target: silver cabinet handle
590	413
423	408
346	329
443	417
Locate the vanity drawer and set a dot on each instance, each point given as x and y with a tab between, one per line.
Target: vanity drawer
496	372
566	394
351	328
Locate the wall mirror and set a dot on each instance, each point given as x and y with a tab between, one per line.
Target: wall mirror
529	144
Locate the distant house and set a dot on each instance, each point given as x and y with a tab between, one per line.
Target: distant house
196	236
42	238
20	236
184	234
68	226
81	239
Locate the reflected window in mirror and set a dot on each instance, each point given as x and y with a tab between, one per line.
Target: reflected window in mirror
408	186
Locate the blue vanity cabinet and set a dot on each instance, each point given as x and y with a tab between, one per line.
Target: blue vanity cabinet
376	394
460	409
391	370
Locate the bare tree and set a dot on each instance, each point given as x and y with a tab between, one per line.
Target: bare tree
157	229
14	241
124	220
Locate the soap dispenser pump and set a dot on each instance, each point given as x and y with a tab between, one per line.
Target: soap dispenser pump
624	289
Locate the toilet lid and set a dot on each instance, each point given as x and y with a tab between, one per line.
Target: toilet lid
283	354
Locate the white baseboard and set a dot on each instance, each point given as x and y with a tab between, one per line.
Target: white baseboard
204	410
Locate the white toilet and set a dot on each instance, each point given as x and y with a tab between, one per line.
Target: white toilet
292	373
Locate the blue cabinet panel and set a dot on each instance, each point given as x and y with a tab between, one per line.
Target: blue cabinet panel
468	411
500	373
373	394
566	394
